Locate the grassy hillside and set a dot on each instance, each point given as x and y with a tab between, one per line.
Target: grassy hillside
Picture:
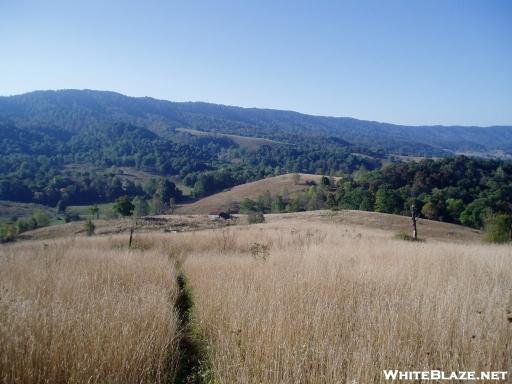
329	304
317	297
387	224
224	201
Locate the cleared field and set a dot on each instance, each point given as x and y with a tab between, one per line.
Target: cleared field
225	200
104	210
252	143
328	303
86	311
10	210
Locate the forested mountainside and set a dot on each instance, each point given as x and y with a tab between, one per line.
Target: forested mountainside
60	148
78	110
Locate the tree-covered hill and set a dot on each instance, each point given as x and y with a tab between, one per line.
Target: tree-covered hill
60	148
78	110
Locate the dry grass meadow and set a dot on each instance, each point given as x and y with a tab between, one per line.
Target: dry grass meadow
289	301
86	311
329	304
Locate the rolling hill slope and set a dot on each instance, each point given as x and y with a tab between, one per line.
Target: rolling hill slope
231	198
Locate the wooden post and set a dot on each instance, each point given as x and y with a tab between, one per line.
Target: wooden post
131	236
413	216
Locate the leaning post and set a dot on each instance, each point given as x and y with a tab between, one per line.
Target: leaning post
413	217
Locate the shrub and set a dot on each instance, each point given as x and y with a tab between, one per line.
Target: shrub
123	206
42	219
407	237
25	224
260	251
255	217
71	216
7	232
89	227
498	228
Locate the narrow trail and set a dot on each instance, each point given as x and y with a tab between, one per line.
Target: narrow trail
193	367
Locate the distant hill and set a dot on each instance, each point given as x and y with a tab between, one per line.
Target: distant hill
78	110
224	201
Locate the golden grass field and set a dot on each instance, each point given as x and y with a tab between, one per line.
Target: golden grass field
86	311
299	299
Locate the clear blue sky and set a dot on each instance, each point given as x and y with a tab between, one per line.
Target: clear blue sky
410	62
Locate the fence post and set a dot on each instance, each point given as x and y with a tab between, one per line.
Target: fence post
413	216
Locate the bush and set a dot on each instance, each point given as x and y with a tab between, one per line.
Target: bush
7	232
42	219
25	224
89	227
407	237
498	229
71	216
255	217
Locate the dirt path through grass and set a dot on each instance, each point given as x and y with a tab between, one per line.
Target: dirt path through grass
193	366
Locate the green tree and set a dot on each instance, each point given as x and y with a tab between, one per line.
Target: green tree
247	205
293	205
89	227
123	206
140	206
41	218
429	210
7	232
475	213
156	205
387	200
94	211
498	228
454	207
278	204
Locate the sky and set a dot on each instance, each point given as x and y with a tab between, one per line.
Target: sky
406	62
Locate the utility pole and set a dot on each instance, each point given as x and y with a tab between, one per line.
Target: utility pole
413	216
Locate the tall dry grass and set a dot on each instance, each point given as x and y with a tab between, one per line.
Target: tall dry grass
331	305
86	311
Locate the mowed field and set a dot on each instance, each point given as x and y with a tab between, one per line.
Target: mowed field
225	200
302	298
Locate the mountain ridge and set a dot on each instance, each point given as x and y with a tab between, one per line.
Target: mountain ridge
74	110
